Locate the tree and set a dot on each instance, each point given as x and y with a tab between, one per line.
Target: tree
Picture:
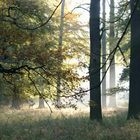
104	56
34	48
112	101
16	94
134	96
58	102
41	87
20	47
94	70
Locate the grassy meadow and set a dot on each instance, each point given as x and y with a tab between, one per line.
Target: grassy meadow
37	124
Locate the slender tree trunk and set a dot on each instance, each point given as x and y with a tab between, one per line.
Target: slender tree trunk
58	102
94	70
104	57
112	101
41	100
134	93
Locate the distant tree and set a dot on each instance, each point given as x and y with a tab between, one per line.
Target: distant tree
134	96
58	102
94	70
104	41
41	99
112	101
15	98
15	91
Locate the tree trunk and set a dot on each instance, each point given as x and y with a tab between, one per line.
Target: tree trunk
15	99
134	93
104	57
94	70
41	102
112	100
58	102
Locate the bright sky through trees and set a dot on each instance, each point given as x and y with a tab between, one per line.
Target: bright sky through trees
75	5
84	15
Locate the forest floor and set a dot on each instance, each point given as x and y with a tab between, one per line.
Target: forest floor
40	124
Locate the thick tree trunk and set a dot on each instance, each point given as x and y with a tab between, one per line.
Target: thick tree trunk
15	99
94	70
134	93
104	58
112	100
41	102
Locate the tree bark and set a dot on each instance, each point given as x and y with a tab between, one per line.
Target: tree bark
134	93
94	70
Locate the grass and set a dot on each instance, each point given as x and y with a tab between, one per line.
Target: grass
39	125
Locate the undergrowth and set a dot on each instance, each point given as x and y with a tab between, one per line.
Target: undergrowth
39	125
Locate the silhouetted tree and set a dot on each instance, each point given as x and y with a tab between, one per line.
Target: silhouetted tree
134	95
95	48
